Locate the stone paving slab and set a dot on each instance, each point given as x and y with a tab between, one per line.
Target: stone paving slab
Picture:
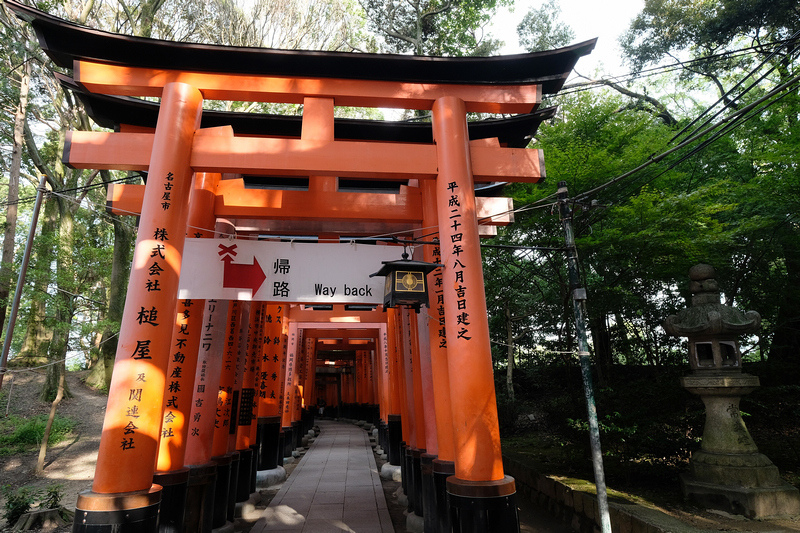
335	488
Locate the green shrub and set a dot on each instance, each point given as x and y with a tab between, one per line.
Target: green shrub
18	434
52	496
18	502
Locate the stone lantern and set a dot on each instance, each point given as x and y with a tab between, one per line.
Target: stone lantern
728	472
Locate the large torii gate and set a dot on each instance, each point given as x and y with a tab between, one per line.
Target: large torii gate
192	374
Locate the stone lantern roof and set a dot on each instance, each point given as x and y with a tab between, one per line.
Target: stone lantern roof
707	316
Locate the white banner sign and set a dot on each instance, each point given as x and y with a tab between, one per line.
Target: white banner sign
284	272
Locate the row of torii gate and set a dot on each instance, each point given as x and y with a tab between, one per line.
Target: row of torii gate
199	403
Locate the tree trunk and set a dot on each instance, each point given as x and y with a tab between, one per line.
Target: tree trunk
509	354
786	341
10	227
36	344
601	338
64	300
49	426
100	375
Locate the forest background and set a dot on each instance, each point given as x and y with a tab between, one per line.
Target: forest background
692	156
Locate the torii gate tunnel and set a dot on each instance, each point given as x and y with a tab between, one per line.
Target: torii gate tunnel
219	370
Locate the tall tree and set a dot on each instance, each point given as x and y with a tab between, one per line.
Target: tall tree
541	29
433	27
762	150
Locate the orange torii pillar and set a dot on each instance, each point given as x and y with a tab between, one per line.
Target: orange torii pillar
427	490
311	389
306	392
269	393
170	471
372	375
394	422
257	352
443	464
202	470
410	425
244	423
384	396
123	494
227	460
293	344
417	406
405	415
481	497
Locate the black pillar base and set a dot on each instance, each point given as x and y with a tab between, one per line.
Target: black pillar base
403	473
173	499
408	460
429	510
233	484
270	442
297	434
221	489
383	442
258	446
416	493
288	441
199	513
243	481
394	429
483	506
126	512
253	467
441	471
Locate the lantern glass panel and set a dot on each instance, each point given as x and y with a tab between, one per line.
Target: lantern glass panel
705	353
728	353
409	281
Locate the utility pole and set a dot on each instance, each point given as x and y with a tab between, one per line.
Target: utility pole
23	269
579	307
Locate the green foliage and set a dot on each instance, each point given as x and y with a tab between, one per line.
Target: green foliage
541	29
19	435
649	425
18	502
666	27
52	496
433	27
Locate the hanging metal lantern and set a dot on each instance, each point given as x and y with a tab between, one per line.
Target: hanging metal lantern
406	282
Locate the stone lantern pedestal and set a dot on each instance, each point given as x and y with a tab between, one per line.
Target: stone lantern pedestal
728	472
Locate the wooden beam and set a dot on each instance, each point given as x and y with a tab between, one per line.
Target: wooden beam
235	202
103	78
213	152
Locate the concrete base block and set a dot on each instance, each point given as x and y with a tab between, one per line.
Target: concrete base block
414	523
267	478
402	499
311	433
752	502
281	517
296	454
288	460
247	509
304	441
391	472
385	456
227	528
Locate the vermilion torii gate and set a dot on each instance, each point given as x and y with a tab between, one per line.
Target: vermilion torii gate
204	388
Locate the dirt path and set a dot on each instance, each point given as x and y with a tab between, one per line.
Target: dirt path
69	463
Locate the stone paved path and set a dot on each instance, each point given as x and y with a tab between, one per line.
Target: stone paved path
334	488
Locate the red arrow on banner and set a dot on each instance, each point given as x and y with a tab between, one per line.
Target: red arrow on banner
242	276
